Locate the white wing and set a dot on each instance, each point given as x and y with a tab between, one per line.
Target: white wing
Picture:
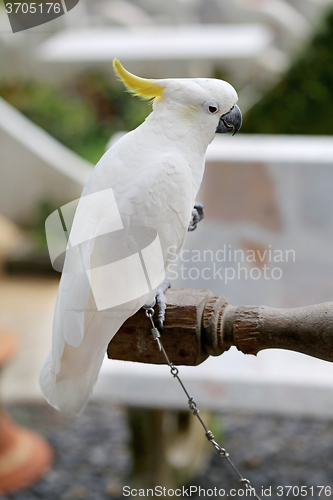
153	190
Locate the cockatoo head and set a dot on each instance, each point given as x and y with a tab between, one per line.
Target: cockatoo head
207	101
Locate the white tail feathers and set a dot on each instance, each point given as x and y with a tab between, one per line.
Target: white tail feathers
70	371
69	395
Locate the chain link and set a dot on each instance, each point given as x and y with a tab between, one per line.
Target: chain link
193	407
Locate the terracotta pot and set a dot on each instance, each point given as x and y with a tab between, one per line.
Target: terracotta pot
24	456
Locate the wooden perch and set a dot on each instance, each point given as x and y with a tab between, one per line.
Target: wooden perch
199	324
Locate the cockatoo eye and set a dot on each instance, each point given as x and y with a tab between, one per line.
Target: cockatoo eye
211	106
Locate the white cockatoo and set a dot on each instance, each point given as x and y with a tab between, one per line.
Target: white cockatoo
136	205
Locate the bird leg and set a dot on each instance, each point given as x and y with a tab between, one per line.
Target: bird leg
197	215
160	300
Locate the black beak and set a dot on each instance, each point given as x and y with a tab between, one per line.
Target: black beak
230	122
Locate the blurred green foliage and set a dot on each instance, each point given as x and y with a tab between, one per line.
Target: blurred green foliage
37	230
302	102
82	114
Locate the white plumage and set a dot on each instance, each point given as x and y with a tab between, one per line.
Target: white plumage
155	172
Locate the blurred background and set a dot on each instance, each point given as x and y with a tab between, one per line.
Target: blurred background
267	194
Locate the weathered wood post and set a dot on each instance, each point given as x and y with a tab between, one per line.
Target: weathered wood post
199	324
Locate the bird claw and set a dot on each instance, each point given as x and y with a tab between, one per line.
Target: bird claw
160	300
197	215
161	304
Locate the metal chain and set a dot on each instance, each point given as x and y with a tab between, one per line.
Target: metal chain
193	407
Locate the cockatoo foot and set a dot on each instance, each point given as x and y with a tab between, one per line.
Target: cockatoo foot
197	215
160	300
161	303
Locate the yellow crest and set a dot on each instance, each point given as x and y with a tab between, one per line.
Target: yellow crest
142	87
